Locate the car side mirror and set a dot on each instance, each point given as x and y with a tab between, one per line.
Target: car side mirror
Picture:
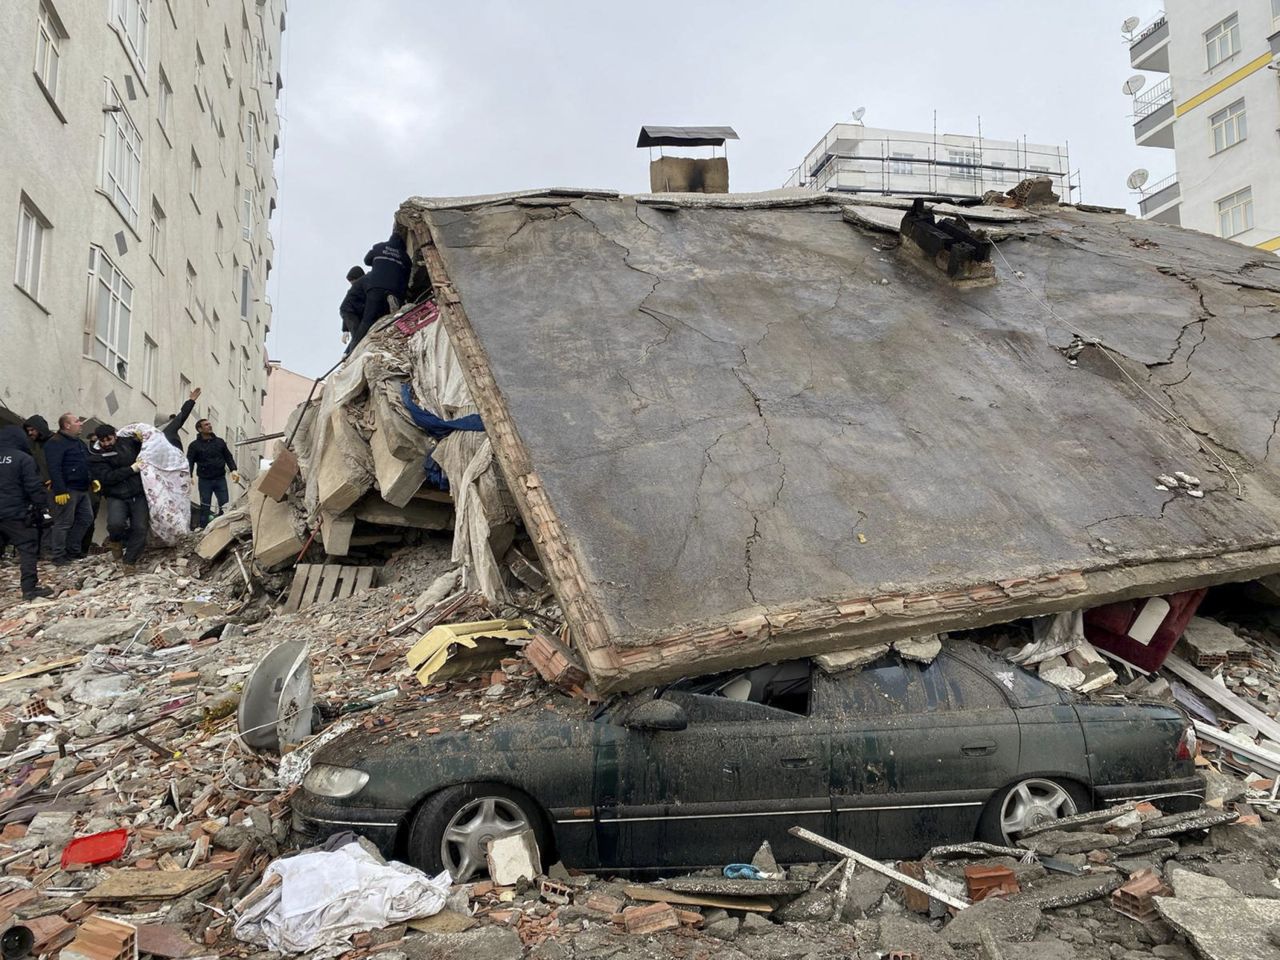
656	715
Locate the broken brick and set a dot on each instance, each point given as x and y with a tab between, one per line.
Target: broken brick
652	918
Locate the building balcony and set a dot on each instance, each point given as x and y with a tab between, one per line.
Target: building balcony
1153	115
1163	202
1150	49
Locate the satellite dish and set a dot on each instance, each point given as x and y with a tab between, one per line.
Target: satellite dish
1134	84
1137	179
859	114
1130	24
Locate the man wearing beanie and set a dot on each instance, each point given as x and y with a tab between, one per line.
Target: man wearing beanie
115	465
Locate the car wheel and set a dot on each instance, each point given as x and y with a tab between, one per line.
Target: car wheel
452	828
1027	804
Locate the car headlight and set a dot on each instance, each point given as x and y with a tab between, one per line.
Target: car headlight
326	780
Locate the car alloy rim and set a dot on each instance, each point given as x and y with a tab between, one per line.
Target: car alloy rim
1031	803
467	835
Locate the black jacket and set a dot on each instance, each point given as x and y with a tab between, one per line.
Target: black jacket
171	429
210	458
389	267
20	486
68	461
114	468
41	426
352	309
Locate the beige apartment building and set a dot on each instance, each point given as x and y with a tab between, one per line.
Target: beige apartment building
136	147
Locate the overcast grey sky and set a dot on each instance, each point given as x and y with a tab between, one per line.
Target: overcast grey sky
387	99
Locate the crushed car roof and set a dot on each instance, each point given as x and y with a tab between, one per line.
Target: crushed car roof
742	429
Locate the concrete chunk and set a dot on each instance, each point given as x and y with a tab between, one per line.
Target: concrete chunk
335	533
420	514
398	479
345	470
275	533
513	857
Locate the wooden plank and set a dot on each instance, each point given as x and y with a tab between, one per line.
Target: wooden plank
300	574
38	668
311	585
833	847
130	884
654	895
1223	697
329	584
347	582
364	580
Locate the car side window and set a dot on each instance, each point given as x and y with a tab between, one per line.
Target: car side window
711	708
888	687
966	688
775	688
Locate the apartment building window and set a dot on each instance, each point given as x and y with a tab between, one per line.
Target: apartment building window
184	386
246	213
244	373
197	172
130	19
1235	213
219	237
232	363
164	104
155	237
110	313
150	359
1275	10
966	163
246	293
192	306
1229	126
998	175
1222	40
49	35
121	174
250	135
33	232
902	163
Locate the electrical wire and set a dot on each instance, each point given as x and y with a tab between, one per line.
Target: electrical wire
1108	353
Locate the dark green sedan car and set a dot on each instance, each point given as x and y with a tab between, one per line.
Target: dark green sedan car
891	760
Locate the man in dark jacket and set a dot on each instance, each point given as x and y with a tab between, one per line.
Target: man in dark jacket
69	483
21	493
172	426
115	464
37	429
210	458
352	307
388	277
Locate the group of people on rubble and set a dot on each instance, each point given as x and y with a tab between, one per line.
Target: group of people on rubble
371	296
53	485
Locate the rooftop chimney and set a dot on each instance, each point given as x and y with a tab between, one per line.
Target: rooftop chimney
687	174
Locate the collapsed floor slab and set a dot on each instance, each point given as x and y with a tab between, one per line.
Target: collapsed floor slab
741	432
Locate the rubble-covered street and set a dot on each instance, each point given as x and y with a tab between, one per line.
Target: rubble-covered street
373	709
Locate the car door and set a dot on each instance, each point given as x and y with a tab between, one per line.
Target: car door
706	796
916	751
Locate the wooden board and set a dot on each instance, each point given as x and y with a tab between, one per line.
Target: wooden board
654	895
322	582
124	885
38	668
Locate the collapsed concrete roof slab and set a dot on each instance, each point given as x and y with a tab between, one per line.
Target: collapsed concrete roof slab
743	433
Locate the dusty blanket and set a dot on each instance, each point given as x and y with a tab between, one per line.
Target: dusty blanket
166	479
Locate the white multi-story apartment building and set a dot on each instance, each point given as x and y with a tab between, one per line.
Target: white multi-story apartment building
1215	101
852	158
136	146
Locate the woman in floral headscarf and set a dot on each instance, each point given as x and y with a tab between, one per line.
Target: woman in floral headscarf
167	481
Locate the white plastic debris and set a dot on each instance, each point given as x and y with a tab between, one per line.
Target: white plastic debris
1186	478
317	899
1198	494
1167	480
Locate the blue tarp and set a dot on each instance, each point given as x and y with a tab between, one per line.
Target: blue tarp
437	429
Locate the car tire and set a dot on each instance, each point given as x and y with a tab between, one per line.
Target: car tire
1071	798
472	814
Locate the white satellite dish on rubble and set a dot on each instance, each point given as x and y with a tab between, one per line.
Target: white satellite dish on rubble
1134	84
859	114
1130	24
1137	180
